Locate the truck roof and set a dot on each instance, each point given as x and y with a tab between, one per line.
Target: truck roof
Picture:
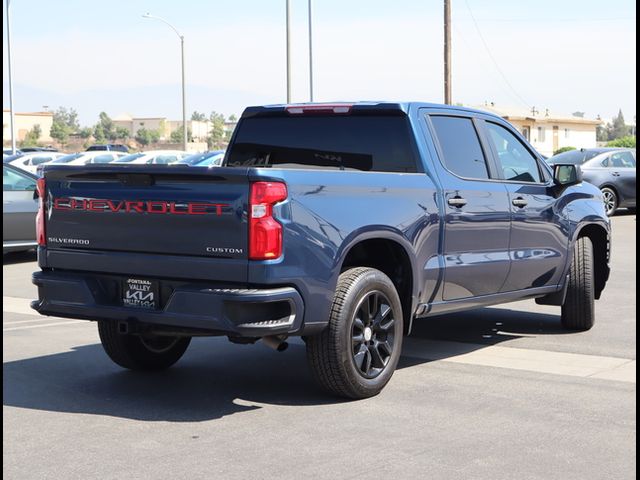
401	108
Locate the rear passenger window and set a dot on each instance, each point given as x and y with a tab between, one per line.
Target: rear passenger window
375	143
460	146
517	163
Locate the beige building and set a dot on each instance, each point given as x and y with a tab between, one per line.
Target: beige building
199	130
25	122
548	131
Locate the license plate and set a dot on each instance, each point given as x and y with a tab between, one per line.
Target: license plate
140	293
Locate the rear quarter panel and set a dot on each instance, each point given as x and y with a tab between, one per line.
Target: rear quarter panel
328	212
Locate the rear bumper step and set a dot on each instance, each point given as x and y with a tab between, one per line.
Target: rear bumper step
237	312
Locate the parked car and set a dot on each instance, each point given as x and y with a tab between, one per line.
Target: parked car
614	174
98	156
342	223
612	170
19	209
10	158
8	151
579	156
59	161
163	157
30	161
38	149
206	159
115	147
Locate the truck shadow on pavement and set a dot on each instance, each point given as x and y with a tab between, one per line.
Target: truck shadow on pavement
12	258
216	378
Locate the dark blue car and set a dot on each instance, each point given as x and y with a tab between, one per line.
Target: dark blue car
340	223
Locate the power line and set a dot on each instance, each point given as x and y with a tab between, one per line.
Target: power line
495	63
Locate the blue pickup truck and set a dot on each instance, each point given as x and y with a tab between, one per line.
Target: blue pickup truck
339	223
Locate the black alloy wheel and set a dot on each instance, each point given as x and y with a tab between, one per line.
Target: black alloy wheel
372	333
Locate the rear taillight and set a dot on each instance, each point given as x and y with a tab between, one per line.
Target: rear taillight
41	188
265	233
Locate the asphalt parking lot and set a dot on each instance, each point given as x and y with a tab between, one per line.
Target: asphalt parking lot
498	393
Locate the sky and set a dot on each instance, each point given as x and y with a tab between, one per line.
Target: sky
567	56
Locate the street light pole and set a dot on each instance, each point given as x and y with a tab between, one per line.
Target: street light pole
184	102
310	53
447	52
12	118
288	51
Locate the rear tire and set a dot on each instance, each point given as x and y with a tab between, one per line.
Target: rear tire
356	355
610	200
578	310
141	352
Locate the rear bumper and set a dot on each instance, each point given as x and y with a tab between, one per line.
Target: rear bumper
219	311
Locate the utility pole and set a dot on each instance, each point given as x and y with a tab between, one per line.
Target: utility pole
12	113
447	52
310	54
288	51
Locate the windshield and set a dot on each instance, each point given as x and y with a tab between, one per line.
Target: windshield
213	160
128	158
67	158
202	159
194	159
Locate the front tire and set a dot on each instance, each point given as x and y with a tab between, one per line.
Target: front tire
141	352
356	355
610	200
578	310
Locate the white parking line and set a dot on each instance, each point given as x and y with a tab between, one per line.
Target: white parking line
33	320
43	325
18	305
542	361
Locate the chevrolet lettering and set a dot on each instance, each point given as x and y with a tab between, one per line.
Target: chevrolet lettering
137	206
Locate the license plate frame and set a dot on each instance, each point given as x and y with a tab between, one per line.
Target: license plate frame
141	293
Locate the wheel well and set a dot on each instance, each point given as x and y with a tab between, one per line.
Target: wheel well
600	241
390	258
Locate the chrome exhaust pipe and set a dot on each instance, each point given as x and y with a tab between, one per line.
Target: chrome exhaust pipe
277	342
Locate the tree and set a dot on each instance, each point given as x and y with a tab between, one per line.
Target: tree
85	132
121	133
578	114
232	118
65	122
216	136
67	117
602	132
144	137
176	135
59	131
105	129
619	127
626	142
32	136
198	116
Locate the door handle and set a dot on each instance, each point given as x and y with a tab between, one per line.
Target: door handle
457	202
519	202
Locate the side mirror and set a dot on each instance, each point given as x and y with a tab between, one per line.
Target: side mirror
567	174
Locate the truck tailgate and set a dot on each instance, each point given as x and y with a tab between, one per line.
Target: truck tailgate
164	209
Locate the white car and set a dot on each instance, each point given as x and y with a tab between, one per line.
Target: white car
153	157
29	161
88	158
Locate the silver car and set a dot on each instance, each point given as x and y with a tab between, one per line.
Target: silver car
19	208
